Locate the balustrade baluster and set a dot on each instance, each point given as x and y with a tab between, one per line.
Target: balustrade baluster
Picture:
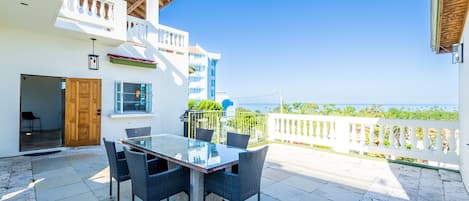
317	133
324	130
391	137
439	141
305	129
451	135
426	140
101	9
362	134
85	7
413	137
75	6
381	135
93	8
372	135
353	134
402	138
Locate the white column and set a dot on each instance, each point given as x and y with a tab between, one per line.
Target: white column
152	15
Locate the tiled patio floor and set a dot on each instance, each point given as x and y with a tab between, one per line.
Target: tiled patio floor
291	173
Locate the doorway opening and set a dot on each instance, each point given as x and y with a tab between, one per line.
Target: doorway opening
42	112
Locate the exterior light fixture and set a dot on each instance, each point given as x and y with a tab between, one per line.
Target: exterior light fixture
457	50
93	59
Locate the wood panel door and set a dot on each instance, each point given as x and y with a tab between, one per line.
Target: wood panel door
82	112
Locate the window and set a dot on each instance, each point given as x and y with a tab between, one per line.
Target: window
132	97
213	93
194	78
213	71
195	90
213	82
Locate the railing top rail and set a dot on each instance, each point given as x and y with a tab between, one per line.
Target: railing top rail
369	120
136	19
171	29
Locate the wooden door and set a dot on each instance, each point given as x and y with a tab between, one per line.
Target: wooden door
82	112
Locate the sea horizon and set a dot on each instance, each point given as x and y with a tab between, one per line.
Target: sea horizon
266	107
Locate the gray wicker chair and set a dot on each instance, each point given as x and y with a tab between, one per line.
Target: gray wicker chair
239	141
148	186
138	132
204	134
238	187
117	165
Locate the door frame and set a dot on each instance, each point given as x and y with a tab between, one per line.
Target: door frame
20	121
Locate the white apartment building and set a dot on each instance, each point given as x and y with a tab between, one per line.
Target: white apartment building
202	79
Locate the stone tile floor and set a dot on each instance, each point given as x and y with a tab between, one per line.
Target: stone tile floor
290	173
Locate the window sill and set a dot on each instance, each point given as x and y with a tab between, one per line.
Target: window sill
130	115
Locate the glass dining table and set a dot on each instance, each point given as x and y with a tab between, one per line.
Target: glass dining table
199	156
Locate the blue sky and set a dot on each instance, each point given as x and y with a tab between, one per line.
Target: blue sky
321	51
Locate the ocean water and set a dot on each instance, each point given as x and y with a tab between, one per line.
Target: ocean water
267	107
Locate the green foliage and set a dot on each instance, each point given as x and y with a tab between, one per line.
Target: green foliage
377	111
191	104
205	105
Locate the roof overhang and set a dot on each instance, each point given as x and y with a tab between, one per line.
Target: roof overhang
137	8
448	18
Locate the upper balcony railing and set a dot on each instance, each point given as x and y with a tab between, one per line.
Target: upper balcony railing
96	17
108	18
167	38
171	39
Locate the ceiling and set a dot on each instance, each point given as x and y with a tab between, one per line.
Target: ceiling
137	8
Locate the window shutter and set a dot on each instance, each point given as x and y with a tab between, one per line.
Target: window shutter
149	98
118	97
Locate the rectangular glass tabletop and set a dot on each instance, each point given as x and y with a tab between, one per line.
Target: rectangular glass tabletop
192	153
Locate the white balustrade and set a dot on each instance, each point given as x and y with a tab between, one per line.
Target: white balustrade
99	13
419	139
137	30
171	39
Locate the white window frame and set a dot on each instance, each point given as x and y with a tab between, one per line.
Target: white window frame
119	101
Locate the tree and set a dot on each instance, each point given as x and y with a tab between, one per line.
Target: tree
191	104
209	105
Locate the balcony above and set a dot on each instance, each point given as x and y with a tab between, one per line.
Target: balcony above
104	19
167	39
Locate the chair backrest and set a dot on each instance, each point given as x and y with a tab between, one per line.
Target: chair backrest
251	164
111	156
27	115
138	132
237	140
138	169
204	134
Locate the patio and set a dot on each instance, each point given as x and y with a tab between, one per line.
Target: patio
290	173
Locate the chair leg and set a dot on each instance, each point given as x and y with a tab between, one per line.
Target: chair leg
118	191
110	185
259	196
133	197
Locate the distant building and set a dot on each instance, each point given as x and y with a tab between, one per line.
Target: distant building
202	84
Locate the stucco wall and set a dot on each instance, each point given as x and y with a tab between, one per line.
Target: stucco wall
26	52
464	111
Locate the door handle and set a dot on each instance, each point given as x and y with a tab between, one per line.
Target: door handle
98	112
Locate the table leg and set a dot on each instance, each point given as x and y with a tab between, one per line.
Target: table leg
197	185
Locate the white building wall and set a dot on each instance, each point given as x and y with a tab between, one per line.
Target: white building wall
27	52
464	110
